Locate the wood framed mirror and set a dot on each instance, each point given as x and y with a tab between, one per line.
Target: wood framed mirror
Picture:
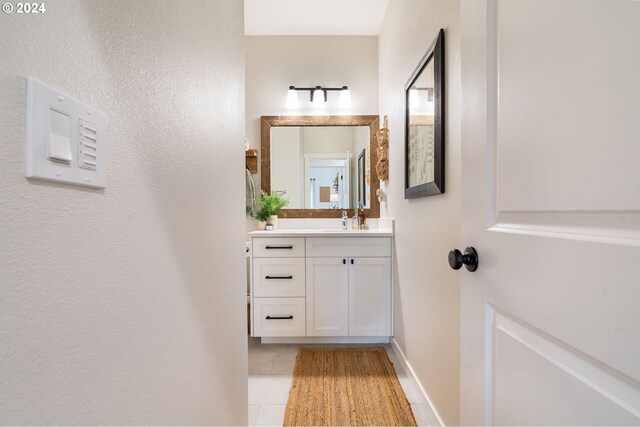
313	162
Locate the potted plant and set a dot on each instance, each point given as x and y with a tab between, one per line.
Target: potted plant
262	216
272	203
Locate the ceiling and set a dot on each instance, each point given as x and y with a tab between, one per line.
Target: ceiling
313	17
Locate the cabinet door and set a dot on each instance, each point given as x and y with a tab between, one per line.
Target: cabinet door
327	297
370	297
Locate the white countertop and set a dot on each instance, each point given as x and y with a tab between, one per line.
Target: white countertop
322	232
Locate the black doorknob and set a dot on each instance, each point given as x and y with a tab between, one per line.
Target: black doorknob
469	259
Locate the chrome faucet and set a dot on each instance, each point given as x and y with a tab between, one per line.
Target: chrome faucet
344	220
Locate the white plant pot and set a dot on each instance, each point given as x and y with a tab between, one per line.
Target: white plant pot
273	221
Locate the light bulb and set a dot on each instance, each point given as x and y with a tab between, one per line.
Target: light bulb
345	97
292	97
318	97
413	98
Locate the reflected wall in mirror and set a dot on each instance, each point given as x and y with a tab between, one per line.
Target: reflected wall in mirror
321	164
424	127
315	167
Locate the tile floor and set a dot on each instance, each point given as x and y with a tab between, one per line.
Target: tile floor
270	374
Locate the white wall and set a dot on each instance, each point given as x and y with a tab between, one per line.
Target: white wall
126	306
327	139
286	155
426	310
273	63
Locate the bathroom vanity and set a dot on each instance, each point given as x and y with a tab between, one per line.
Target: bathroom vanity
315	285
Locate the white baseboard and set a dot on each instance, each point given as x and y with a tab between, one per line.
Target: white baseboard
425	401
324	340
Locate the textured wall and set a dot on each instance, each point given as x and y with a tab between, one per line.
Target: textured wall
427	295
126	306
273	63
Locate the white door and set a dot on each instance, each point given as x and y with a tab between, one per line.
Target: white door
327	297
370	297
550	328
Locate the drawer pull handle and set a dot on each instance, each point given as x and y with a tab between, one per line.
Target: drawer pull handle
279	247
279	317
278	277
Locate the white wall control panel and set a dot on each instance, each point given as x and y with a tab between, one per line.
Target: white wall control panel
65	140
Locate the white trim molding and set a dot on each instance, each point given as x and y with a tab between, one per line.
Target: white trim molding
425	401
324	340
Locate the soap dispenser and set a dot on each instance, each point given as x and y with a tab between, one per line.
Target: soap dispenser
361	218
355	221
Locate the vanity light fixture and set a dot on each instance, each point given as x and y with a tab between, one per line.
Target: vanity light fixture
292	97
318	95
414	98
345	97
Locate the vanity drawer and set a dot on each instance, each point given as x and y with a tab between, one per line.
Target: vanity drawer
278	247
278	277
348	246
279	317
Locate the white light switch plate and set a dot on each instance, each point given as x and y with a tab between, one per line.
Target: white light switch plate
39	130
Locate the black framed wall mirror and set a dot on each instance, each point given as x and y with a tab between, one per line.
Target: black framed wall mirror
424	124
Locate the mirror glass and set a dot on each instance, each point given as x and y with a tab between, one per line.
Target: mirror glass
324	165
321	167
421	167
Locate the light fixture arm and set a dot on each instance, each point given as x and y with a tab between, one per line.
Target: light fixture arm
323	89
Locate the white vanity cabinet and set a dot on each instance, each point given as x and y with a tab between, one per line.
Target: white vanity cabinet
316	286
349	294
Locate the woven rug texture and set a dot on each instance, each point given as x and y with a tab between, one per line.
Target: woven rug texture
346	387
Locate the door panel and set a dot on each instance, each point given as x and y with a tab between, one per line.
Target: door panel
370	297
561	385
564	107
550	330
327	297
567	96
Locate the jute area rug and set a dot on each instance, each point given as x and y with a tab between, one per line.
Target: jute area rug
346	387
